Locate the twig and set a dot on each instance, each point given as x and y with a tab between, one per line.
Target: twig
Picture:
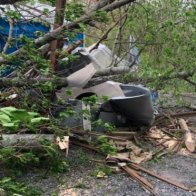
167	132
135	166
158	138
105	35
138	178
9	39
184	114
85	145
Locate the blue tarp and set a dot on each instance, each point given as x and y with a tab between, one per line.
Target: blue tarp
28	29
25	28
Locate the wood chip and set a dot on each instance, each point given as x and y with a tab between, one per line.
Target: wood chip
63	143
189	142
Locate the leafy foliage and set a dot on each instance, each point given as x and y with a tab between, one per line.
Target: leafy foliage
163	32
11	118
100	172
105	146
12	187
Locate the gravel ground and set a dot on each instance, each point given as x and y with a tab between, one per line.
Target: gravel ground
78	181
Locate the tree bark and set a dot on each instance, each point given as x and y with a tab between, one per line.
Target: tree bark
64	82
25	141
59	20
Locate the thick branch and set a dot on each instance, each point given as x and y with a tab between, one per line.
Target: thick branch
63	82
84	19
25	141
114	70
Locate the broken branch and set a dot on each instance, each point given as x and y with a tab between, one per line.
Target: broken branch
136	166
189	142
105	35
138	178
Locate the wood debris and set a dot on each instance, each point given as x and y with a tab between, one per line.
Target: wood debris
177	184
189	142
63	143
163	139
145	183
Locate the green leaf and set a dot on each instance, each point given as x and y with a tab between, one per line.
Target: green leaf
33	114
39	120
4	118
9	125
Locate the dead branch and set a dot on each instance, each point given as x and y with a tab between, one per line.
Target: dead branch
103	3
70	48
189	142
184	114
105	35
9	39
146	184
63	82
138	167
77	143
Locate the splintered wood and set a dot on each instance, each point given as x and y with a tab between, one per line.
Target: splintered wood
63	143
189	141
163	139
170	136
128	150
173	133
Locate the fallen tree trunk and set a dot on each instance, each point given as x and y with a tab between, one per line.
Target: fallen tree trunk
25	141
